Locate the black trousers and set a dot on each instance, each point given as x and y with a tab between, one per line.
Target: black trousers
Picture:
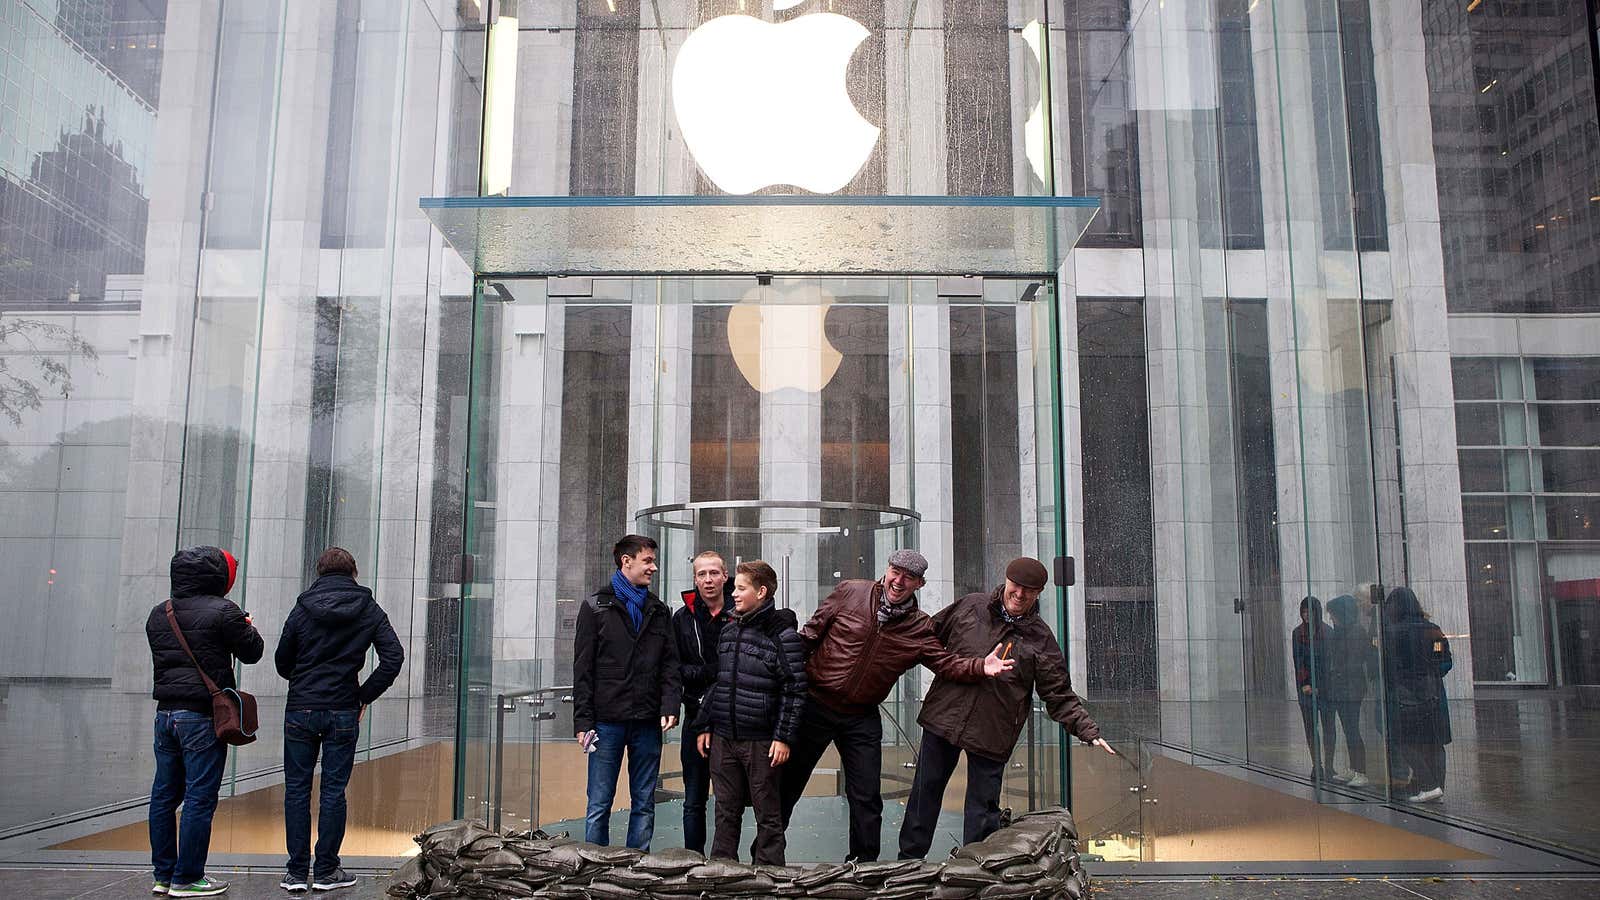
1349	714
743	775
696	788
859	739
1312	714
1426	760
936	762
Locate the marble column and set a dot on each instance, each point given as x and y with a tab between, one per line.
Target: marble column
1420	333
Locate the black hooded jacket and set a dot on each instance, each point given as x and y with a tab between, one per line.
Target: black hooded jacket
761	679
696	631
324	646
214	626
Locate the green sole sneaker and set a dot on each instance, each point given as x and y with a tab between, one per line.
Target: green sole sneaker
205	887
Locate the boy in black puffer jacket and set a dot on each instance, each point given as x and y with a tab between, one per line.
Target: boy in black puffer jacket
754	712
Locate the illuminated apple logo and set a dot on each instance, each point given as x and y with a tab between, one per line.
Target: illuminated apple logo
781	341
762	104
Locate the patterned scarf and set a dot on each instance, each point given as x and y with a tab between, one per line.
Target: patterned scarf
632	596
888	611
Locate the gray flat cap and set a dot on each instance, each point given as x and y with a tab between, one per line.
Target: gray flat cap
909	560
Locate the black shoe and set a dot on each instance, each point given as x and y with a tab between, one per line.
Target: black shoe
294	884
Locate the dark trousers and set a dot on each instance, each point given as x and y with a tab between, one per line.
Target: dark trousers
936	762
189	765
1313	713
332	733
1349	714
859	739
1427	765
641	738
696	788
744	776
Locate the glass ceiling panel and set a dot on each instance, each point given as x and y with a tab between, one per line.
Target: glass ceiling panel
777	234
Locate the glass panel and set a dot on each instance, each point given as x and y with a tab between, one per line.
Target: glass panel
1006	236
1565	424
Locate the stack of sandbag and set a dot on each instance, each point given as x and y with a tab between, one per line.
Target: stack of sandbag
1033	857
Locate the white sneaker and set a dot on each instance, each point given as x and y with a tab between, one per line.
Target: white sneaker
1358	780
1432	795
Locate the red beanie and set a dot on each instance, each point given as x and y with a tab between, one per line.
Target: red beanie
233	570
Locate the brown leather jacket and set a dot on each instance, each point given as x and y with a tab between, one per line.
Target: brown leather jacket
986	718
854	662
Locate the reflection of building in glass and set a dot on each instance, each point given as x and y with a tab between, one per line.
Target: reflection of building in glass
74	144
1518	146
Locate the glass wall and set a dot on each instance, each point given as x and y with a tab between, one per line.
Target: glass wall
223	321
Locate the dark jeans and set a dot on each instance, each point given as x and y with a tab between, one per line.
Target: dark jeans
696	788
860	742
1311	714
1427	766
1349	714
642	739
189	765
305	732
745	777
936	762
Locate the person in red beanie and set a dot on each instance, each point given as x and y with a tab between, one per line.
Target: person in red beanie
189	758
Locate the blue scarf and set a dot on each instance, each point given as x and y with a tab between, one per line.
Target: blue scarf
632	596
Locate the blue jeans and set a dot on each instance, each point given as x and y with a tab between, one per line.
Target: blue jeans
189	766
305	731
642	739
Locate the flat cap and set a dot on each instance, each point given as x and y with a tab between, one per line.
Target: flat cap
909	560
1025	571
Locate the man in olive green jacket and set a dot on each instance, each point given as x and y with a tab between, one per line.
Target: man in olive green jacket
985	718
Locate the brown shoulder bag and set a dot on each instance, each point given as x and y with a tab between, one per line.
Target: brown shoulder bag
233	713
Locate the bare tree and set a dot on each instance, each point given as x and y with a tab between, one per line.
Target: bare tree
32	363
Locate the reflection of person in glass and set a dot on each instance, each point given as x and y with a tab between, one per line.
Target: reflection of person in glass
1350	660
1416	656
1309	641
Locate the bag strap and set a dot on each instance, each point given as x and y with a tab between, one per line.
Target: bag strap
172	619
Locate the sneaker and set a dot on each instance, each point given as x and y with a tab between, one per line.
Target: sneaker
334	881
294	884
1358	780
1432	795
160	888
205	887
1335	777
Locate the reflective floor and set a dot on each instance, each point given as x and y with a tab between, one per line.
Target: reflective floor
1520	762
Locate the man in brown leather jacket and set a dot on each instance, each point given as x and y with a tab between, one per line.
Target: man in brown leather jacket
862	639
985	719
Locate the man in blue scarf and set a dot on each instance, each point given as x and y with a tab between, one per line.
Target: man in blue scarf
626	688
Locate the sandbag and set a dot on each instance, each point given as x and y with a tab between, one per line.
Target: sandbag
820	875
967	872
876	872
1027	872
675	861
499	862
565	860
609	856
719	871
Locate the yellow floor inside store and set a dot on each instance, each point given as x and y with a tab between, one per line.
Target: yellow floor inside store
1199	814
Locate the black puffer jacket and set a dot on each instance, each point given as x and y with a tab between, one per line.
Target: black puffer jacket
324	646
214	626
761	679
617	675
